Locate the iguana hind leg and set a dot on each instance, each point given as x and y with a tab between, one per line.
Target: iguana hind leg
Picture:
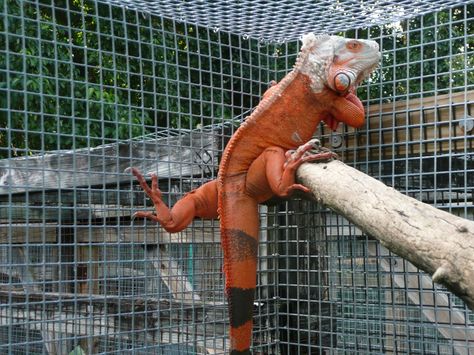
201	202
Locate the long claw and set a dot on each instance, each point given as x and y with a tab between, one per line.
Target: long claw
154	183
289	153
152	191
313	144
162	215
299	187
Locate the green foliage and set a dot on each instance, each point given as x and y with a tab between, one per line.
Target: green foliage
81	73
425	55
77	351
63	92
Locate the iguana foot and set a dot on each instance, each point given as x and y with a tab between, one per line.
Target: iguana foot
163	214
310	151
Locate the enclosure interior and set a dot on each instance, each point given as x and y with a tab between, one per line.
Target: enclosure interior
91	88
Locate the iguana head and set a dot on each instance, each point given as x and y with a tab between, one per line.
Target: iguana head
335	66
337	63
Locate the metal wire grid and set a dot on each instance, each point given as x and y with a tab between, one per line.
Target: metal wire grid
83	80
283	21
324	286
361	298
98	60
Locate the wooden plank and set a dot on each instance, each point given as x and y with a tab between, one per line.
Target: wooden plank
64	213
86	204
28	233
428	101
68	208
21	212
406	128
127	303
172	275
85	324
101	211
201	231
194	153
87	269
96	316
81	195
141	232
53	341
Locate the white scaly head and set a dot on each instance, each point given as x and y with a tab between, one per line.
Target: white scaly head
336	62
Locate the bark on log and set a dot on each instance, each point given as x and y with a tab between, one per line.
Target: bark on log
435	241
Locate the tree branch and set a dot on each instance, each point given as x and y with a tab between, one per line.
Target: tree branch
435	241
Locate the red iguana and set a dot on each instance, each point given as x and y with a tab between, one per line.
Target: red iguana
260	161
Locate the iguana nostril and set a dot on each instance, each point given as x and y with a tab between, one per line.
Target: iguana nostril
342	82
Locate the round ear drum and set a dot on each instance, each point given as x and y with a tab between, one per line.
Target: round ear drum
342	82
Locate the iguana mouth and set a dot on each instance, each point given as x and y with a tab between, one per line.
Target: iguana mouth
365	74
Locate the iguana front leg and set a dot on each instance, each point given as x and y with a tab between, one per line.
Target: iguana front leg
310	151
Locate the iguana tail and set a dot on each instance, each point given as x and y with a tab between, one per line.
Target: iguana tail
239	238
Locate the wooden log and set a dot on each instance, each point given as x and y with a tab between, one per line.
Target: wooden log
435	241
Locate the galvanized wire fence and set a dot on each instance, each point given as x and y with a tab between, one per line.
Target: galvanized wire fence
91	88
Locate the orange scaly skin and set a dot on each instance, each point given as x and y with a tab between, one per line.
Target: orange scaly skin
259	163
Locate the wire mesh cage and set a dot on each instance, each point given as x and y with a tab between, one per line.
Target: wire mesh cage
89	88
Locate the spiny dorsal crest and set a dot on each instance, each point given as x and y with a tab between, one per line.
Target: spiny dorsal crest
311	41
317	52
305	61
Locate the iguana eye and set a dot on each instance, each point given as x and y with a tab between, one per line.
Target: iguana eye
353	45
